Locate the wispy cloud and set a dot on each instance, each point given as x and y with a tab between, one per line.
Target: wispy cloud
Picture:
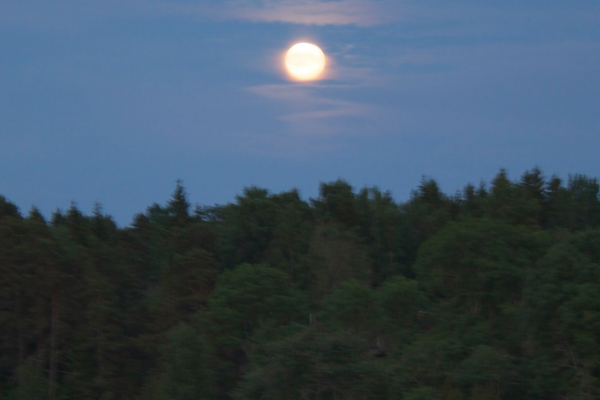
311	120
307	12
312	12
308	108
361	13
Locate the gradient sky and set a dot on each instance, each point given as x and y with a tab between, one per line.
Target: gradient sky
114	100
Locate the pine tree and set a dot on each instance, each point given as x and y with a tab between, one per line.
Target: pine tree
178	207
8	209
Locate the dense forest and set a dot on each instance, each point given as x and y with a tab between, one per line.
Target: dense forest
490	293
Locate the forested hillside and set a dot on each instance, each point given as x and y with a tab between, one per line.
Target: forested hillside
489	293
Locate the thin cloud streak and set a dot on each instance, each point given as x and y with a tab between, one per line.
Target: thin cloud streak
361	13
307	12
312	12
311	122
309	106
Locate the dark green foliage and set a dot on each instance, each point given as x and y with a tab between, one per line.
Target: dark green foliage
581	204
477	264
351	306
427	361
424	393
188	361
266	228
337	202
493	293
246	296
473	200
31	382
405	311
380	222
316	365
427	212
178	207
8	209
563	308
335	255
488	370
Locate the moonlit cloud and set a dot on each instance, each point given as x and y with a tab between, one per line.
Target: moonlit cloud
362	13
309	12
307	105
312	12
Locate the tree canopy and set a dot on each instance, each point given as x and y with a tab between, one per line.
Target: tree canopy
490	293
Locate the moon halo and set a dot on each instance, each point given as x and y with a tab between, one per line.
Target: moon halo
305	61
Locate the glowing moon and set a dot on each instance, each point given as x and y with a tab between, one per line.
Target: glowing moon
305	61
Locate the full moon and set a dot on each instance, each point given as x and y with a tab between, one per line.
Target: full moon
305	61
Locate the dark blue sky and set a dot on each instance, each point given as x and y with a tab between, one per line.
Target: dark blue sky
114	100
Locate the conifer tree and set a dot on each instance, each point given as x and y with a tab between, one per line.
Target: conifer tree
337	202
8	209
179	206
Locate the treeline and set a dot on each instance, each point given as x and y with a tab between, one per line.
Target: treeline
490	293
